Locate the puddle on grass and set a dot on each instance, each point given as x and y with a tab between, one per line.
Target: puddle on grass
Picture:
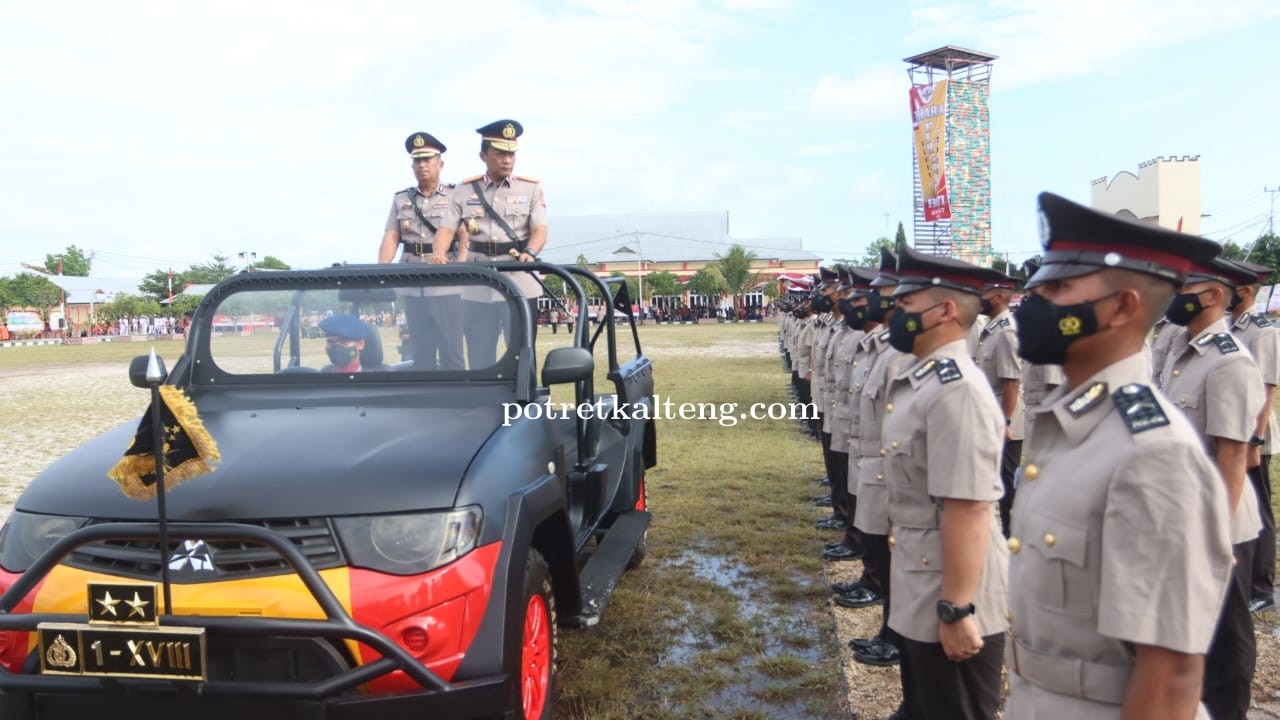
781	639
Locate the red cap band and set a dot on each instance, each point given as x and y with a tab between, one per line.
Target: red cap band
1153	255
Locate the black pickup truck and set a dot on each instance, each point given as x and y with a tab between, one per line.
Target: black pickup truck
400	540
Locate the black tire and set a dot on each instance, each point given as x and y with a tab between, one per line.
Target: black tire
538	598
637	555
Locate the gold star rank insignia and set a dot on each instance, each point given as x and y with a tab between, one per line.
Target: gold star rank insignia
137	606
108	603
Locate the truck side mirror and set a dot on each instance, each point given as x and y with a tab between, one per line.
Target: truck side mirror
566	365
138	371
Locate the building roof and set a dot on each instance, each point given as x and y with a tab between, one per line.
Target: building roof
950	57
662	237
94	289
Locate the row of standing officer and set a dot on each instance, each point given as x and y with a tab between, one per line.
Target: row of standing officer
1121	534
495	216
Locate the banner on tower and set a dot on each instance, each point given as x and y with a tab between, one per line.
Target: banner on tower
929	133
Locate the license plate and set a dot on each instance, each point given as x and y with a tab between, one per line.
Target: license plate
137	652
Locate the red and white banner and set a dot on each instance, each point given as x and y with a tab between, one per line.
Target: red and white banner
929	131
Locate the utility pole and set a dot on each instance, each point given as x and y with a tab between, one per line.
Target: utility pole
1271	217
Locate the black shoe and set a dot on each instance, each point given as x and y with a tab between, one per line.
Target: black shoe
841	552
849	587
1261	604
824	501
831	524
857	644
824	481
860	598
882	654
833	543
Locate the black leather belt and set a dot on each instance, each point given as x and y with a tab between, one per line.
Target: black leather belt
494	248
417	248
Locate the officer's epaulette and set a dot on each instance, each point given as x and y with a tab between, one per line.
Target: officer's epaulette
1004	322
947	371
526	178
1261	321
884	336
1139	408
450	185
473	178
1226	344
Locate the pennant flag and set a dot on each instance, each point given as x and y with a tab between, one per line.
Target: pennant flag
188	448
622	299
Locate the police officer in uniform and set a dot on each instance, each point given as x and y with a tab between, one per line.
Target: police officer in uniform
505	216
433	314
997	358
1216	384
1263	343
1120	550
941	441
1037	379
1161	341
852	310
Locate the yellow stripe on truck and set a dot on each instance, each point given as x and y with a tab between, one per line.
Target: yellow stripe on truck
65	590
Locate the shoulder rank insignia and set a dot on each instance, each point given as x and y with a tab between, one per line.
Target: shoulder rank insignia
884	336
473	178
1139	408
1088	399
1226	344
1261	321
947	371
526	178
1004	322
924	369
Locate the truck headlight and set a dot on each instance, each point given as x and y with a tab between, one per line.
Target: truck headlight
409	543
25	537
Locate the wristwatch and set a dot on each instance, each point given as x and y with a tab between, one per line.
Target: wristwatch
949	613
1256	441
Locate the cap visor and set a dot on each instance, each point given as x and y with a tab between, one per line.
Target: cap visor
1060	271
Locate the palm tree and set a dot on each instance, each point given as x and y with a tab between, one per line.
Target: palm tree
735	266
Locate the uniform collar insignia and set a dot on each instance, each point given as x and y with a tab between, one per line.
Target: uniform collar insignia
924	369
1088	399
1205	339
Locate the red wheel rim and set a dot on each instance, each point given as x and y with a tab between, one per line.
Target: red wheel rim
535	667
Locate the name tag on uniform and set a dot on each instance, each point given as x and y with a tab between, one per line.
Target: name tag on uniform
442	203
474	202
521	199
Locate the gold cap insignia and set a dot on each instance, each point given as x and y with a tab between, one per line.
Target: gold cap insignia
60	654
1069	326
509	131
419	141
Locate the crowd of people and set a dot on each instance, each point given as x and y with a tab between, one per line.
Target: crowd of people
1053	488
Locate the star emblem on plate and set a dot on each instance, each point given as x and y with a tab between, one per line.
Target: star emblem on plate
108	603
137	605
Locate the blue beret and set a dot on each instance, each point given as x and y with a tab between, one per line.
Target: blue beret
347	326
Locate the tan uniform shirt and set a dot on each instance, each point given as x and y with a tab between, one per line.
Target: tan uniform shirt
829	382
942	438
1037	381
818	364
519	201
997	358
1161	341
1216	384
844	403
415	237
1119	537
975	333
880	362
1263	342
804	346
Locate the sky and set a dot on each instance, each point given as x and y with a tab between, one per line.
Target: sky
156	134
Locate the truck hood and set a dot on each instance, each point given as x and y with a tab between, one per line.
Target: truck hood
287	462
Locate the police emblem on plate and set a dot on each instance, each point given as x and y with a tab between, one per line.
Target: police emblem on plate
60	654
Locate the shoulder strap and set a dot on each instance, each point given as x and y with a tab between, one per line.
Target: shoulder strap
488	209
418	211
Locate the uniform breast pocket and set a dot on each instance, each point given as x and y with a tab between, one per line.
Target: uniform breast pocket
405	217
1061	550
517	210
899	459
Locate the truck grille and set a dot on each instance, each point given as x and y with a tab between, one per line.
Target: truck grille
193	560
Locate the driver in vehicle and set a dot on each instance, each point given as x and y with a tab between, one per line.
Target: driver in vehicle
345	338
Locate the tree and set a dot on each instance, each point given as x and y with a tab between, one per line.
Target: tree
74	262
871	258
210	272
30	290
662	283
1264	251
1000	265
900	238
735	268
155	284
128	306
771	290
708	281
270	262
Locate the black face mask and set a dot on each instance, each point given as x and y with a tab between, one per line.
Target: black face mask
1235	301
854	317
822	304
341	355
877	306
985	306
1184	308
1046	330
905	327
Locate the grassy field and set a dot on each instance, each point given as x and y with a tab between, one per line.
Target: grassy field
727	618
